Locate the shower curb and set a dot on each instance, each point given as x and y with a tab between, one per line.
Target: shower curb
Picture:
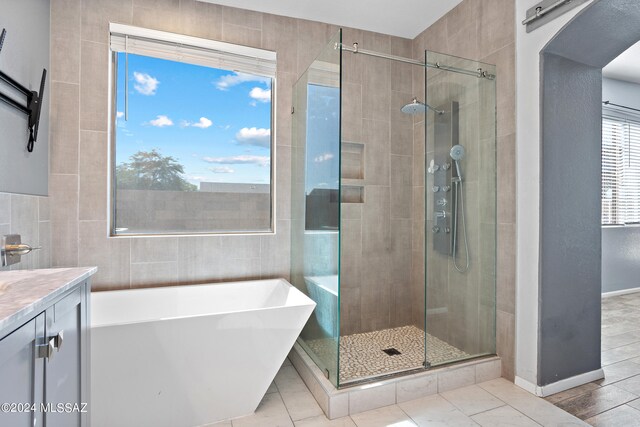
352	400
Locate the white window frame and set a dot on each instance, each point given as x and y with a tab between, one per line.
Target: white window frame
198	51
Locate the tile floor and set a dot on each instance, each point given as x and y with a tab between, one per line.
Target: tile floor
493	403
615	400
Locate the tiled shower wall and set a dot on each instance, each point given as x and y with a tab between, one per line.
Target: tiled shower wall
29	217
376	235
484	31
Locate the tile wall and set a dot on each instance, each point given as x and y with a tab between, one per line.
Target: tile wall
484	31
29	217
79	146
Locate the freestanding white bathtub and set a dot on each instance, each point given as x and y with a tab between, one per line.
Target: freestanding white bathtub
186	356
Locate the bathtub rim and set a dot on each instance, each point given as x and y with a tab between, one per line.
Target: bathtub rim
299	299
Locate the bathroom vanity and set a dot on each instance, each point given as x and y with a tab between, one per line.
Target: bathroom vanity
44	347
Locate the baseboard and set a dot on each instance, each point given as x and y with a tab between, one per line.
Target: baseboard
558	386
620	292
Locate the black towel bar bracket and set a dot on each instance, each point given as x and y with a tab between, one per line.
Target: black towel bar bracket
33	103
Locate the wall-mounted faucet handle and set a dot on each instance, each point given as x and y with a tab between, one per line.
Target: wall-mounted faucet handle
12	248
440	214
20	249
435	188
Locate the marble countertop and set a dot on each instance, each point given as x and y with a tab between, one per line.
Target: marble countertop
24	293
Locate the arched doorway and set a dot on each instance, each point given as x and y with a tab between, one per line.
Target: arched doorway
570	228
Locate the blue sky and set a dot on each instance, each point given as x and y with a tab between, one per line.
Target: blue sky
216	123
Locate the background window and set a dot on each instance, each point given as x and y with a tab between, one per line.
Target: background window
192	147
620	171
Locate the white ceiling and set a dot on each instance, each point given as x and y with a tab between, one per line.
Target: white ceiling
403	18
625	67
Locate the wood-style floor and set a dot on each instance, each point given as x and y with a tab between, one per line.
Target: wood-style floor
615	400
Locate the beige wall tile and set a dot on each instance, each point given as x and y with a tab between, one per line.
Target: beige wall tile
370	398
110	255
506	268
496	27
93	165
275	252
241	35
157	14
96	15
153	274
506	173
488	371
154	249
456	378
505	342
64	132
44	241
63	190
43	209
201	19
65	36
24	221
416	388
243	17
93	86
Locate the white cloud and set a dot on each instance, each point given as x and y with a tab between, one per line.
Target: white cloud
203	123
323	158
222	169
119	115
230	80
254	136
161	121
145	84
261	95
239	160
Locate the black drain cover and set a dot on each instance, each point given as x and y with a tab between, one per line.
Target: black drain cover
391	351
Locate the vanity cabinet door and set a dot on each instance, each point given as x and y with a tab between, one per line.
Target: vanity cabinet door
22	375
63	375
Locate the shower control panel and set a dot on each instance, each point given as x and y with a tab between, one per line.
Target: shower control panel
442	172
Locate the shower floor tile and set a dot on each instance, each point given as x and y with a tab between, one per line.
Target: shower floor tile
363	355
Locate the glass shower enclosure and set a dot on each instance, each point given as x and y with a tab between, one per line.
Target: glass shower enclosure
394	210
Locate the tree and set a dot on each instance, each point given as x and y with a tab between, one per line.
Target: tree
150	170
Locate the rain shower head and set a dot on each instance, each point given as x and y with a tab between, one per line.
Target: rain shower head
417	107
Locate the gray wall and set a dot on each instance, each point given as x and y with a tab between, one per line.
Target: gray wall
620	245
24	55
620	258
570	236
620	92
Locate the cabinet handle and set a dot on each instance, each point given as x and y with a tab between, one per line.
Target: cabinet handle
45	351
57	340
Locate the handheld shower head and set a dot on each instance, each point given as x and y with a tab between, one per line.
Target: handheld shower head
457	153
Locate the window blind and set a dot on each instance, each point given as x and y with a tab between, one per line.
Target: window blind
620	171
194	50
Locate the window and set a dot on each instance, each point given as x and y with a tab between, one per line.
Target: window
191	135
620	171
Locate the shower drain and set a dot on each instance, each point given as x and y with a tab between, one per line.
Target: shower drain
391	351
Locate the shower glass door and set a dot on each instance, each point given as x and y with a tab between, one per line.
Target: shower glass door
315	203
460	208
